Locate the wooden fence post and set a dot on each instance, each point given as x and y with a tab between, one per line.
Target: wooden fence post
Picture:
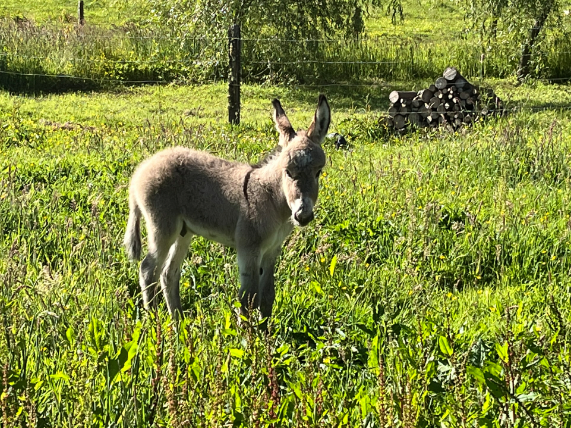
80	16
234	77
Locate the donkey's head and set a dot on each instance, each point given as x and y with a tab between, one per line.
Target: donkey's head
301	160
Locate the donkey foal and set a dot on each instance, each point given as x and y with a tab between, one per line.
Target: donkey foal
182	192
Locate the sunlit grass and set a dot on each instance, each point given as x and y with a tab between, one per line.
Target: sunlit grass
437	265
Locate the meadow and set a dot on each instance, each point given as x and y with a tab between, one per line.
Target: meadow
432	289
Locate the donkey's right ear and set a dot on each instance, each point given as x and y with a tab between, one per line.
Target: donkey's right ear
318	128
282	124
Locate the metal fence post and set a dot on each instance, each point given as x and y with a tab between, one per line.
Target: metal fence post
80	16
234	54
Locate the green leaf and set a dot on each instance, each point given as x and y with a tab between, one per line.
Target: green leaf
477	374
70	334
445	346
60	375
333	264
238	353
374	353
502	351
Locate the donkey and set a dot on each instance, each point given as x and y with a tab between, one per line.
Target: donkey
182	192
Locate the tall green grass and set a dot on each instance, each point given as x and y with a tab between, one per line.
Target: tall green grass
57	57
431	290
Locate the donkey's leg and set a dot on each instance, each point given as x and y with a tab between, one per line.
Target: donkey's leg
170	277
267	290
159	242
148	275
249	267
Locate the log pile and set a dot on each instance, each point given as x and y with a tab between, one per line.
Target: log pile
451	101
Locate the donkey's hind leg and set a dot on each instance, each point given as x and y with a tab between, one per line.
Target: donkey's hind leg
152	264
170	277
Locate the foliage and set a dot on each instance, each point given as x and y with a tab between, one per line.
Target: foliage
521	26
431	290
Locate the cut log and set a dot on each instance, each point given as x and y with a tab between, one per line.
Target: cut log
414	118
434	102
393	110
400	121
396	96
424	111
452	75
465	94
441	83
425	95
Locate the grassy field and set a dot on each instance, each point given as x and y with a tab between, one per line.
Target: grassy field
99	12
431	290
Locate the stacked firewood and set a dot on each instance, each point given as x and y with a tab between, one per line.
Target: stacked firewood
452	102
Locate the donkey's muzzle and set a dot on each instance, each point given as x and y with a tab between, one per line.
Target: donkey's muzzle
303	219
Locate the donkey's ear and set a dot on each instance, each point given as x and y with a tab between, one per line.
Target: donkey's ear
318	128
282	124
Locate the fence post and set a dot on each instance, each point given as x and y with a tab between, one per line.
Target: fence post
234	54
80	16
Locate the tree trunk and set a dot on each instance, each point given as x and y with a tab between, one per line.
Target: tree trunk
527	49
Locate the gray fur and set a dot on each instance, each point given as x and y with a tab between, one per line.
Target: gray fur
182	192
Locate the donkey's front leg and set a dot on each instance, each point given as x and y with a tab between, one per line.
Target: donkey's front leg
267	290
249	267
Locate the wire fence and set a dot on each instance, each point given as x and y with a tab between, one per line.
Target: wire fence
36	60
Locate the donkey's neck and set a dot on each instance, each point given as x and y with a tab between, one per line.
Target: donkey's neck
268	182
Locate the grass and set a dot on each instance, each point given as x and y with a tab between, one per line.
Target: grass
98	12
432	288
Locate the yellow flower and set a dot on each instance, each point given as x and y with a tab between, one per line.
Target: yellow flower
492	309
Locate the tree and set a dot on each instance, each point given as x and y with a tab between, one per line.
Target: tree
295	18
522	22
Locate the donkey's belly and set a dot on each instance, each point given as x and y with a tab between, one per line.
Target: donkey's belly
212	234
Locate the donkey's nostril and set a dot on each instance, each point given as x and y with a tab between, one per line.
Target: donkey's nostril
303	220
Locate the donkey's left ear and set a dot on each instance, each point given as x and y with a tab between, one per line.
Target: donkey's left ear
282	124
318	128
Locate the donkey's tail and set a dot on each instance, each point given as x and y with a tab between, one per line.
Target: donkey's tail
132	239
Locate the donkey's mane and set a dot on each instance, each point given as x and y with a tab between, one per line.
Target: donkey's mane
267	158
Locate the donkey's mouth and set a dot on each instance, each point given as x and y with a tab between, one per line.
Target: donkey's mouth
302	220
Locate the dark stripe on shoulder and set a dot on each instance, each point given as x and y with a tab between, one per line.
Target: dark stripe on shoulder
245	188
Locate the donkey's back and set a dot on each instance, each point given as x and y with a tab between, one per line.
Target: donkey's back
187	190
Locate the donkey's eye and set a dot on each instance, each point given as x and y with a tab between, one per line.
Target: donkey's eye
318	174
288	173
